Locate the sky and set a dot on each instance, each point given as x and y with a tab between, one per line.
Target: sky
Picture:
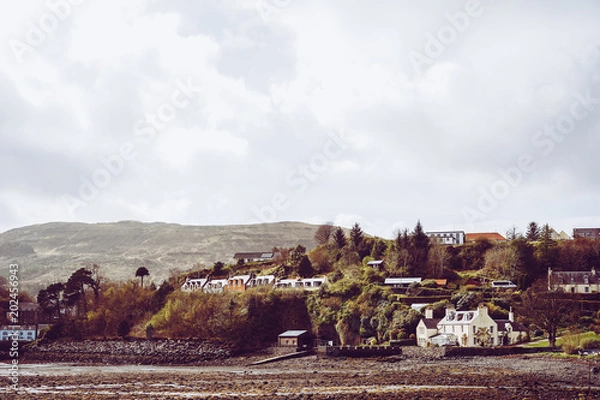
468	115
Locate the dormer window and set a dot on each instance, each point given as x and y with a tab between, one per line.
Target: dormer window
586	280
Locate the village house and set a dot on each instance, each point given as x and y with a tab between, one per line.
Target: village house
256	256
447	237
302	283
379	265
468	329
215	286
192	285
262	281
237	283
574	281
493	237
20	332
588	233
401	282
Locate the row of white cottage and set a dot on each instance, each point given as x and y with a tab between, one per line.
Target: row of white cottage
240	283
468	329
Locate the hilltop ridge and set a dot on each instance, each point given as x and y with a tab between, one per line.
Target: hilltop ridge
53	251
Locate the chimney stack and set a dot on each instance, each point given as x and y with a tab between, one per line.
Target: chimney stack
428	313
482	309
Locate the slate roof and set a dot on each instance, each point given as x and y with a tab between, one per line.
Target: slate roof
293	333
573	278
431	323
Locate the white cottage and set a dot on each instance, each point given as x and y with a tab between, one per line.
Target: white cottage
468	329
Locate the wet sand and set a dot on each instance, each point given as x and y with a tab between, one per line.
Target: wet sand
509	377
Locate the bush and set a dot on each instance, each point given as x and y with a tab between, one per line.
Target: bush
570	344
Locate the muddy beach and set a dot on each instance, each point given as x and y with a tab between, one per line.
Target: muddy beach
506	377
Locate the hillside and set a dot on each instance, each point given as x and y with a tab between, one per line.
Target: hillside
53	251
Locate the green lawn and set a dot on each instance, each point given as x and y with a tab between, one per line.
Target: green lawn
544	343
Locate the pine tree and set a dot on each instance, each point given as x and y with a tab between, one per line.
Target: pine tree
419	249
357	235
339	238
533	232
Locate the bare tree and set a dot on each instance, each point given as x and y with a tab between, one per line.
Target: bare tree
438	258
547	309
324	232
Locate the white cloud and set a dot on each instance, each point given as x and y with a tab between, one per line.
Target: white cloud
274	86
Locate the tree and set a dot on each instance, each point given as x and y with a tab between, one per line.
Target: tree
49	300
547	250
547	310
526	263
218	268
533	232
419	249
305	268
512	233
357	236
439	258
379	248
402	250
141	273
324	232
339	237
74	290
296	255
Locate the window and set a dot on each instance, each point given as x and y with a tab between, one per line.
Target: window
586	279
474	329
492	329
587	289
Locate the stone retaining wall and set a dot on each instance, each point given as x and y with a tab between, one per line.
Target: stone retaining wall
127	351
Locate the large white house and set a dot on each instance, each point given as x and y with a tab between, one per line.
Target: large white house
468	329
447	237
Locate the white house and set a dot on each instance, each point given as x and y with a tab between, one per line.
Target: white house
262	281
192	285
215	286
447	237
468	329
574	281
401	282
19	332
305	284
256	256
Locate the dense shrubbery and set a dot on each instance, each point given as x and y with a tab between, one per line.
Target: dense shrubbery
249	319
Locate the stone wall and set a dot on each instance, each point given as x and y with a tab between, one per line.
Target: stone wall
127	351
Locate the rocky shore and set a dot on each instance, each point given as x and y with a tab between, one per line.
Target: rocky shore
164	351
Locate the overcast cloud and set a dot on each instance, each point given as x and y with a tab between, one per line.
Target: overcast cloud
463	114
